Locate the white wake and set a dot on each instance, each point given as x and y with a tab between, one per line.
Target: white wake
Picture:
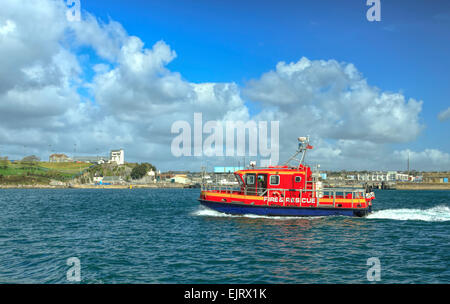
435	214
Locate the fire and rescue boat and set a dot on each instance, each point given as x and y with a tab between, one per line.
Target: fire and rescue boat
286	191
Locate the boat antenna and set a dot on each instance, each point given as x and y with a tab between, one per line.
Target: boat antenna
303	146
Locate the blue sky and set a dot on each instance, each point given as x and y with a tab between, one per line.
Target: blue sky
368	92
235	41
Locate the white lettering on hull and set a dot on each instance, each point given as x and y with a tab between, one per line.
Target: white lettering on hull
295	200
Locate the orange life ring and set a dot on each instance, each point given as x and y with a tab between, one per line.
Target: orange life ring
277	194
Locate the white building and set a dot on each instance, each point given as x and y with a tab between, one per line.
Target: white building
180	179
390	176
152	175
402	177
117	156
98	179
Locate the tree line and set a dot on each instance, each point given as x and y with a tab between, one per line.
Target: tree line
141	170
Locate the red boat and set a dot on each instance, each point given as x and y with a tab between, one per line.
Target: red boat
286	191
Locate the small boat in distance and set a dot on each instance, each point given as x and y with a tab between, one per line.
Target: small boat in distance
285	191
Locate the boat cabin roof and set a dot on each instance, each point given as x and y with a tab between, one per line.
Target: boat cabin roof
274	170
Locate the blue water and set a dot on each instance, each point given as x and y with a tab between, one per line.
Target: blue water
164	236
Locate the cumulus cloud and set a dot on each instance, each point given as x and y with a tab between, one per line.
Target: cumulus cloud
37	73
333	100
132	98
105	38
131	101
350	121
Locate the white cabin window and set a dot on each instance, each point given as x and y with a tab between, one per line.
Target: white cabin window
298	179
274	180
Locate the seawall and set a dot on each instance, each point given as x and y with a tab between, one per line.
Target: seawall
422	186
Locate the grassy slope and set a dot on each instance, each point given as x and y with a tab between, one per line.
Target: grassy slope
38	173
65	167
44	172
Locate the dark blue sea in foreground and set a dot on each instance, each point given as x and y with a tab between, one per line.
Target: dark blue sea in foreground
164	236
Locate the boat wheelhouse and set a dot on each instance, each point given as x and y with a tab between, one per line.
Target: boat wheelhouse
286	191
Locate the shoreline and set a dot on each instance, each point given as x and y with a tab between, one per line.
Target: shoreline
400	186
422	186
142	186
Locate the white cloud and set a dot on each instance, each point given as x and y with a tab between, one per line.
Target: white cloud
351	122
8	28
444	115
105	38
333	100
429	159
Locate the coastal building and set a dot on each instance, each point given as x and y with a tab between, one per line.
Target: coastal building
98	179
180	179
164	176
417	179
113	180
90	159
400	177
436	177
390	176
372	177
117	156
152	175
59	158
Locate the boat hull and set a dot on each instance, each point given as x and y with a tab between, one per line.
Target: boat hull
243	209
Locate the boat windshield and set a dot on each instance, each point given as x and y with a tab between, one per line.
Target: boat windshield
239	179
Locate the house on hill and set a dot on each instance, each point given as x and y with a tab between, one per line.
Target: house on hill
59	158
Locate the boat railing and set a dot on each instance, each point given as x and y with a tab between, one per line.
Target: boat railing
221	188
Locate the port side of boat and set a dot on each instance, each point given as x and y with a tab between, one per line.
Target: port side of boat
236	208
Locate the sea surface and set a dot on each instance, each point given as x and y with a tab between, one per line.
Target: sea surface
165	236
